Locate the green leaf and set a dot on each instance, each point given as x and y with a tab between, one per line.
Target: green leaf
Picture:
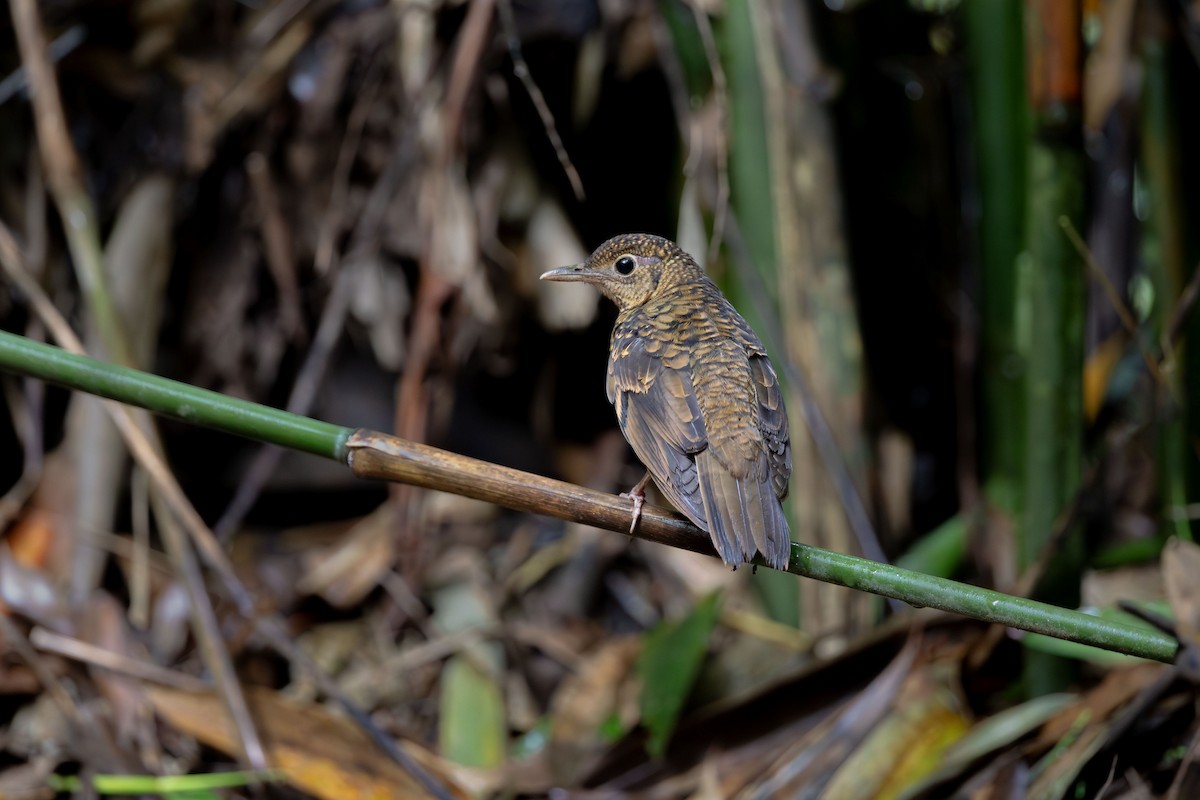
668	666
177	787
472	729
689	47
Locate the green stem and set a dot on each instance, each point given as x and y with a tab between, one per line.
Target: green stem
172	398
988	605
202	407
996	71
1163	248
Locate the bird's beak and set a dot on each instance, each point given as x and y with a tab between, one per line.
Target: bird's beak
576	272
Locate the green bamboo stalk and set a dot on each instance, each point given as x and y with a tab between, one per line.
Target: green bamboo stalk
1051	288
1163	243
1051	296
172	398
996	70
1052	279
430	467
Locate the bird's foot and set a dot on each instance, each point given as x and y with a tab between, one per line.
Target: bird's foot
639	500
638	495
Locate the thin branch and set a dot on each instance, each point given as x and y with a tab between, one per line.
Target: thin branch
1114	298
64	176
471	41
375	455
50	642
1183	309
521	70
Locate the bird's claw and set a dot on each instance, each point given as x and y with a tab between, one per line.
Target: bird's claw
639	500
638	495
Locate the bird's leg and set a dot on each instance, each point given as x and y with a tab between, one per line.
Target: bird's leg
638	495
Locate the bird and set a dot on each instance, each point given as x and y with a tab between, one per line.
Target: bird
695	396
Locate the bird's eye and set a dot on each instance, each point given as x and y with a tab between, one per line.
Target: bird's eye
625	265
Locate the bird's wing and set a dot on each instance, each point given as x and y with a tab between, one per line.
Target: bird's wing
660	417
773	423
744	471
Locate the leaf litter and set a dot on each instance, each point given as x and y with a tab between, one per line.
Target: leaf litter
505	654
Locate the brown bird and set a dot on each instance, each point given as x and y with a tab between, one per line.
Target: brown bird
695	395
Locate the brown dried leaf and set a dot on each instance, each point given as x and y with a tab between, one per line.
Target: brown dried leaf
346	571
318	751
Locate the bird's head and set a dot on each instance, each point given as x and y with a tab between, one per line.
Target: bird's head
630	268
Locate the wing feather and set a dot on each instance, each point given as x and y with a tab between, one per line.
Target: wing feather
661	418
658	413
773	423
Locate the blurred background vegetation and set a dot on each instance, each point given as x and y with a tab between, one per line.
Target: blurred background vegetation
965	231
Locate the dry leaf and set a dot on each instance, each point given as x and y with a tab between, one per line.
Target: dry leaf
317	751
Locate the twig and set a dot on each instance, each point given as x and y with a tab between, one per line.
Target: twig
1114	298
273	21
433	291
325	251
1183	309
64	175
139	557
22	403
277	244
78	650
62	46
521	70
472	38
204	617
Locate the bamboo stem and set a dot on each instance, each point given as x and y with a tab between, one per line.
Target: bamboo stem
375	455
171	398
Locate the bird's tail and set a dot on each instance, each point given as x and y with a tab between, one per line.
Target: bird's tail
744	515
